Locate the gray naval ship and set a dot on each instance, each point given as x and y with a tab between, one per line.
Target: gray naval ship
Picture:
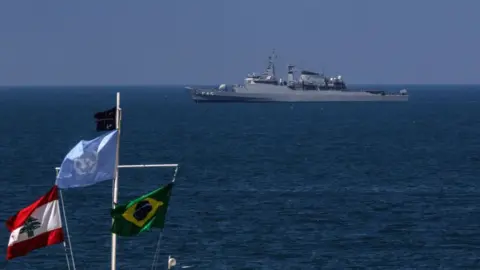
309	87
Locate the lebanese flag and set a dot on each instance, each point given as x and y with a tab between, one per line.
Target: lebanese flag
35	226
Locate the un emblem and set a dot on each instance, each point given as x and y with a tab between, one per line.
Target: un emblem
86	163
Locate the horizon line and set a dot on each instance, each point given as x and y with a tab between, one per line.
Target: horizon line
200	85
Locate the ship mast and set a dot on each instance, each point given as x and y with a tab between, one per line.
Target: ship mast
272	58
271	66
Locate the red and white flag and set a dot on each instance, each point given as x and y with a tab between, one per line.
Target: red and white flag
35	226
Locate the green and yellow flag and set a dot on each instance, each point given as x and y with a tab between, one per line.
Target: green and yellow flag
143	213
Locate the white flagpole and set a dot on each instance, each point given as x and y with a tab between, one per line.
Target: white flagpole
66	229
115	180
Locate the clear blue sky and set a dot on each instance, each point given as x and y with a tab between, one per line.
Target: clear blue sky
115	42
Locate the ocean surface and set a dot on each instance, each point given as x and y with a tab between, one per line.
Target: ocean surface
260	186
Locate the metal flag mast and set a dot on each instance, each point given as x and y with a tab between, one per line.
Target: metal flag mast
57	169
118	118
118	126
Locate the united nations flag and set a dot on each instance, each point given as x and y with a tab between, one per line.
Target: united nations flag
146	212
89	162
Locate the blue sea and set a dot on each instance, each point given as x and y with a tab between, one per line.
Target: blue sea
260	186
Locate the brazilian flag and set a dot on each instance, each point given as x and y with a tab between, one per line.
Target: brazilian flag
143	213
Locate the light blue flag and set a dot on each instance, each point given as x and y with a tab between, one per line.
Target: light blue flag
89	162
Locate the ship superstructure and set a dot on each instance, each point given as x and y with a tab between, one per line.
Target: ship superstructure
308	87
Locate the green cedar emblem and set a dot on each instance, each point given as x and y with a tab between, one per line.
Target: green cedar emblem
30	226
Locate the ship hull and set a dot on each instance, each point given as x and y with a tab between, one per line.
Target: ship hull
247	96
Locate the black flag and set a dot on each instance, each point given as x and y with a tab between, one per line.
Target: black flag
106	119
